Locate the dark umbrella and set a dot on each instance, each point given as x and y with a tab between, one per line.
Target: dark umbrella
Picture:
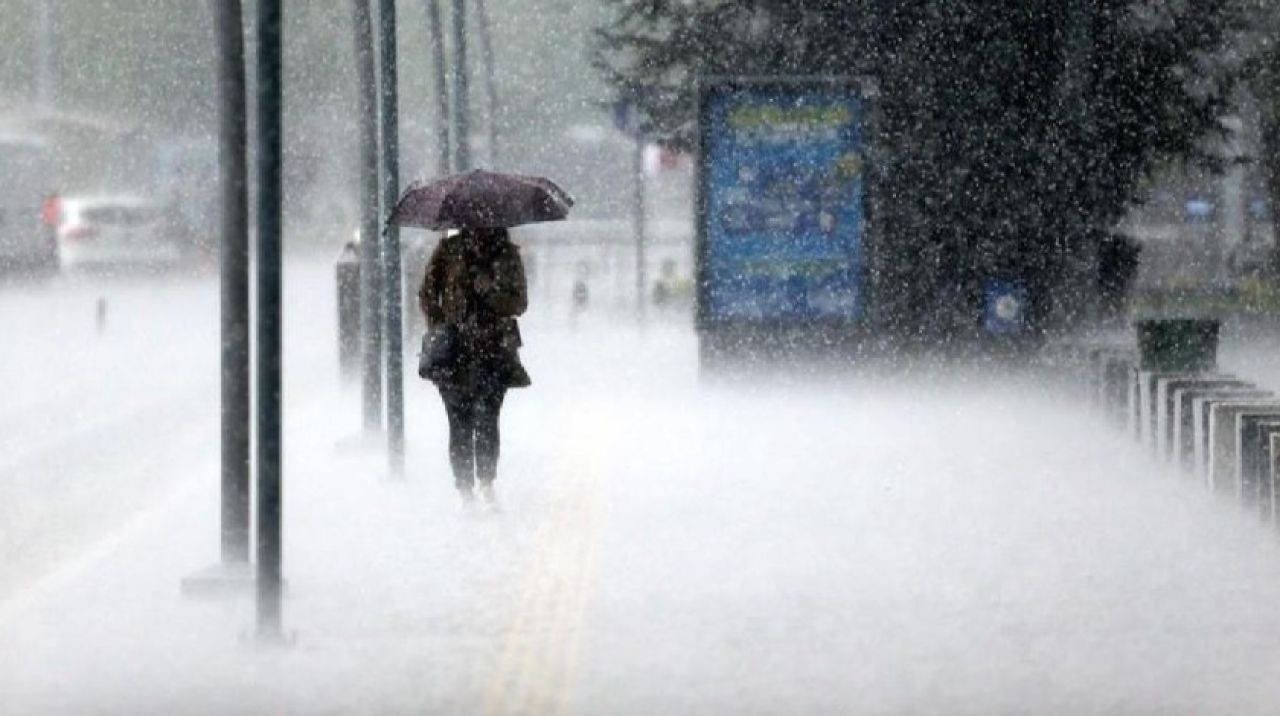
480	200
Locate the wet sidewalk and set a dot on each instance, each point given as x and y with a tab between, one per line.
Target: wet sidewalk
819	547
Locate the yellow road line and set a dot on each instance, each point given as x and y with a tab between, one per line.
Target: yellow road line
537	672
573	658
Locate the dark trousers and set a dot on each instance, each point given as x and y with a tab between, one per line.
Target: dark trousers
473	432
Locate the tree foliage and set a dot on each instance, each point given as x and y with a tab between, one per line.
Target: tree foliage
1010	133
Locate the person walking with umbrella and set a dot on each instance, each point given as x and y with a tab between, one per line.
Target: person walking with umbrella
472	292
474	287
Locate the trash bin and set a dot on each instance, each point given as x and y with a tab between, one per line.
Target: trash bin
1184	345
347	274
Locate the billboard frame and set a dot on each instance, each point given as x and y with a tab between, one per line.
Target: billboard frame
713	330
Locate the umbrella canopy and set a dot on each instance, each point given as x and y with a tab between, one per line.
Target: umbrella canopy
480	200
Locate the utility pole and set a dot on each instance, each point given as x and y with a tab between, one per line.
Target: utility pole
440	70
370	237
234	183
269	346
490	78
233	573
461	96
628	118
393	278
46	90
638	218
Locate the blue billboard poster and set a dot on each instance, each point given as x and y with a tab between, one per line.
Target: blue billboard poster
782	203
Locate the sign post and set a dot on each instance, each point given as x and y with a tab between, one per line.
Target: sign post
461	90
233	163
270	373
392	276
370	237
627	120
233	573
440	76
638	221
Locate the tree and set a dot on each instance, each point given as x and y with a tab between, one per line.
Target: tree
1011	133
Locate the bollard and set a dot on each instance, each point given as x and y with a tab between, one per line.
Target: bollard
1164	405
1110	370
1200	408
1133	422
1228	457
1182	419
1224	423
1107	370
1148	403
1253	446
100	316
1094	378
1119	376
347	275
1117	371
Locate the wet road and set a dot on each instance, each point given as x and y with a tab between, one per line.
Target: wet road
974	543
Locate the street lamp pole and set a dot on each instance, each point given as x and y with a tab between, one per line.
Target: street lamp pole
269	346
392	275
234	184
485	27
370	237
440	70
461	96
233	571
45	78
638	219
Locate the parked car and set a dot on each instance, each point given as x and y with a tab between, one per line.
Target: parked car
115	231
27	205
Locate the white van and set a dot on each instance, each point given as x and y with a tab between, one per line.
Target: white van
28	205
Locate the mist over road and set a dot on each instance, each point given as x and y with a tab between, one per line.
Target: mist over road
962	542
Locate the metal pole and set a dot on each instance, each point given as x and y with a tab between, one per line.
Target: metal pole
269	344
638	222
234	181
370	237
440	70
490	79
45	89
461	96
393	278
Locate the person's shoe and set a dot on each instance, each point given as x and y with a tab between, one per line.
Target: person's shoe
489	496
468	497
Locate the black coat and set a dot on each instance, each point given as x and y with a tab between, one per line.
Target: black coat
477	286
